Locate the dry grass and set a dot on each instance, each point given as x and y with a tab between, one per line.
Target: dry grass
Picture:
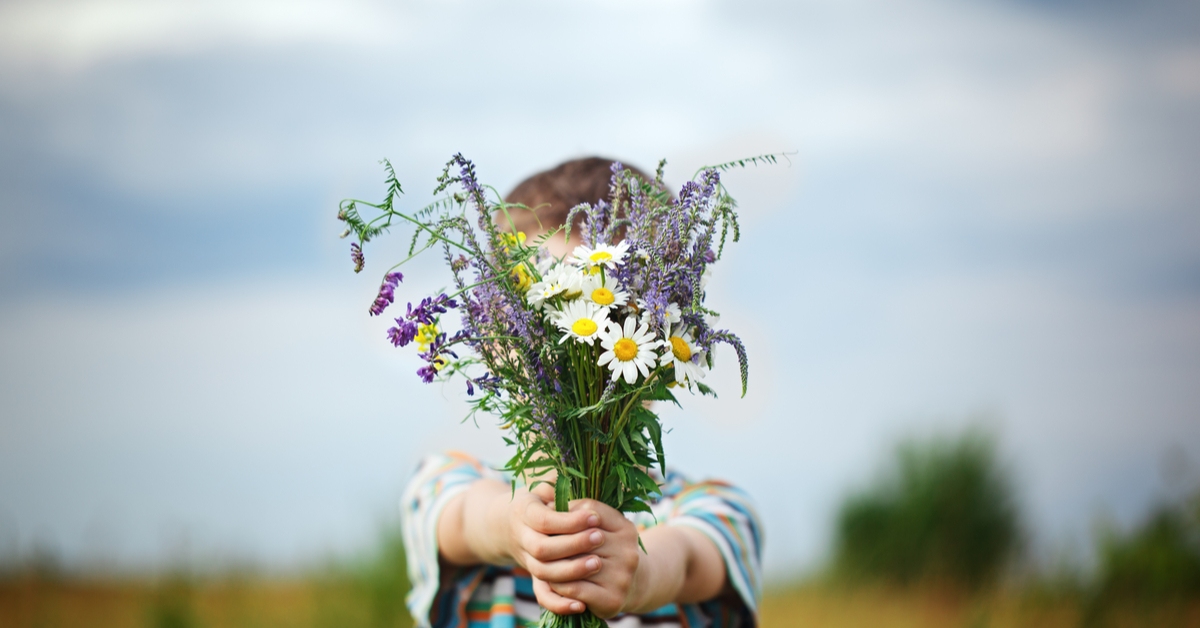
234	602
838	607
29	602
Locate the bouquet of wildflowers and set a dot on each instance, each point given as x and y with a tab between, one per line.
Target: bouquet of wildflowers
568	352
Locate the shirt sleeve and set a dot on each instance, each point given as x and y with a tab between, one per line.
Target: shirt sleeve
438	478
726	515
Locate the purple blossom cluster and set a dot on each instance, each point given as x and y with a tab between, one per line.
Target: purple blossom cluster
406	326
387	293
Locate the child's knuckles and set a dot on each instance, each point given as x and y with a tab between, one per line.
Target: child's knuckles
621	581
539	549
567	589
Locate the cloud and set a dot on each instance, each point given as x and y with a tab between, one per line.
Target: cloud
74	35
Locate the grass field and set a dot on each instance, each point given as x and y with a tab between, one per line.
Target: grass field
342	601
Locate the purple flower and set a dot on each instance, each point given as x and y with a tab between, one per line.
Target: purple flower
356	255
427	373
387	293
424	312
403	333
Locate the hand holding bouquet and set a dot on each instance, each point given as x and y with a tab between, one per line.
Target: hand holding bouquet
567	351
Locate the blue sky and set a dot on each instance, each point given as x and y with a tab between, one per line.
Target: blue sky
991	218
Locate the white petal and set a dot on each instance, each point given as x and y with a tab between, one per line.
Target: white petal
630	373
607	356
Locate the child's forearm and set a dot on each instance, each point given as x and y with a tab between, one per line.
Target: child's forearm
680	565
472	529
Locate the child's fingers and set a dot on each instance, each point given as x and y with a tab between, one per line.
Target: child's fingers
611	519
546	548
546	520
566	570
554	602
604	601
544	492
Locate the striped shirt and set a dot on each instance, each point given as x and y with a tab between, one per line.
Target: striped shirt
492	596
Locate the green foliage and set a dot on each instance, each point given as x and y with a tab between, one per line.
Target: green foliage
946	512
173	605
1157	561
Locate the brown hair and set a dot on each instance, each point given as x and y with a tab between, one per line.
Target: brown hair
552	193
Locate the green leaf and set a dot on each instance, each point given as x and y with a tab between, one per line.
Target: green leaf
625	445
575	473
562	489
644	480
650	421
635	505
660	392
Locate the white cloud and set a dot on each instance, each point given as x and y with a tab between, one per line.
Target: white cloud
76	34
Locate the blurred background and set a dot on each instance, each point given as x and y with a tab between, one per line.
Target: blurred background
971	295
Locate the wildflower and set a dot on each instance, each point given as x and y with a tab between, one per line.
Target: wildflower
426	334
509	240
403	333
671	314
387	293
356	255
427	373
628	350
606	255
683	355
424	312
541	291
522	278
582	321
558	280
604	294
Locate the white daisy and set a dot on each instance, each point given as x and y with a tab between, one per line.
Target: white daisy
628	350
572	280
606	296
582	321
683	354
606	255
541	291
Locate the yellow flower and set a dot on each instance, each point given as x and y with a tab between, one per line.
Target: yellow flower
508	240
522	278
426	334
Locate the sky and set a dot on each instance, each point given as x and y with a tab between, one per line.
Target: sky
989	217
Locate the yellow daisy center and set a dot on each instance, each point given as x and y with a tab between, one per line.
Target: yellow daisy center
584	327
603	296
680	348
594	270
599	257
625	349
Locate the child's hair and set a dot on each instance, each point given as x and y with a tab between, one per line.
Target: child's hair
552	193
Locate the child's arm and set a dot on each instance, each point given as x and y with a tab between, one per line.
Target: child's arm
573	562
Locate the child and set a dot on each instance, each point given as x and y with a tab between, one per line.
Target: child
481	555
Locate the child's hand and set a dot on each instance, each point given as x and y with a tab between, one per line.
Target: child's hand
609	589
553	546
